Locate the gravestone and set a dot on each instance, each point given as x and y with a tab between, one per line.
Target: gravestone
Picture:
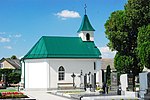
85	82
130	82
127	85
126	82
144	85
81	76
114	81
89	82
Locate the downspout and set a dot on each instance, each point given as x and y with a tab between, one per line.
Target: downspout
24	73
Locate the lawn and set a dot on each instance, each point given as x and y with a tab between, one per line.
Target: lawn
7	90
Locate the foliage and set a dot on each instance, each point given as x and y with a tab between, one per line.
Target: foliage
108	72
144	46
116	31
144	54
14	78
143	34
13	57
122	30
122	63
12	75
138	14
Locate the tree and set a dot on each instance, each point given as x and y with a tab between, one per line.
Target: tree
108	72
144	46
116	31
13	57
14	78
122	32
123	61
12	75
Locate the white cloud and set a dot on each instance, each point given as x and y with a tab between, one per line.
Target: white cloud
8	47
68	14
2	32
17	35
107	53
2	39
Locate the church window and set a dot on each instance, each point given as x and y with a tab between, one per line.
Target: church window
61	73
87	36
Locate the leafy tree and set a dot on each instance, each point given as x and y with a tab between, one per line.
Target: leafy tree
122	32
13	57
14	78
12	75
108	72
123	61
116	31
128	34
144	46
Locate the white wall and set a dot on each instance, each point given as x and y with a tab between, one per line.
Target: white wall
43	73
71	66
36	74
82	34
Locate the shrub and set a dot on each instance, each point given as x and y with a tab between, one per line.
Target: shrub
12	76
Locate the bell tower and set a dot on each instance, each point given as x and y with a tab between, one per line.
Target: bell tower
86	31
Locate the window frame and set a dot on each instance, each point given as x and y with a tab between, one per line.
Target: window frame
1	65
61	73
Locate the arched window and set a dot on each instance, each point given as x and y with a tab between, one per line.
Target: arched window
87	36
61	73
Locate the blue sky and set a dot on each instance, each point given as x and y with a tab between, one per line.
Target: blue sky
23	22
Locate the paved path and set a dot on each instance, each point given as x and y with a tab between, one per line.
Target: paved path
42	95
110	98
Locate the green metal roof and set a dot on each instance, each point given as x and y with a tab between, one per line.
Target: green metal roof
62	47
85	25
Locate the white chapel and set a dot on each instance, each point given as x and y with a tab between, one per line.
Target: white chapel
57	61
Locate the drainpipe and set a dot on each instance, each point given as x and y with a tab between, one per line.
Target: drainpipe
24	72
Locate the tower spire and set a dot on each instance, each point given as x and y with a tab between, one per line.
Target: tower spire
85	8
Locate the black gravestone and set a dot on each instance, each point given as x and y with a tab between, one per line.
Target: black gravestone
114	81
130	82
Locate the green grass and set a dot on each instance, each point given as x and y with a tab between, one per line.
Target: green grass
7	90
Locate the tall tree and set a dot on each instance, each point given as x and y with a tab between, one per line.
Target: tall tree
144	46
13	57
122	32
108	72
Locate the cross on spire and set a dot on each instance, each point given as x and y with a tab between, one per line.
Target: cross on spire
85	8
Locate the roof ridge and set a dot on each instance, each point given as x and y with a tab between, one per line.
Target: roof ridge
60	36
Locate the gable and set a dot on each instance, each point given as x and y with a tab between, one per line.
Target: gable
10	63
63	47
7	65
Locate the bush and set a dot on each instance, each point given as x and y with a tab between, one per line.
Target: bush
14	78
12	75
